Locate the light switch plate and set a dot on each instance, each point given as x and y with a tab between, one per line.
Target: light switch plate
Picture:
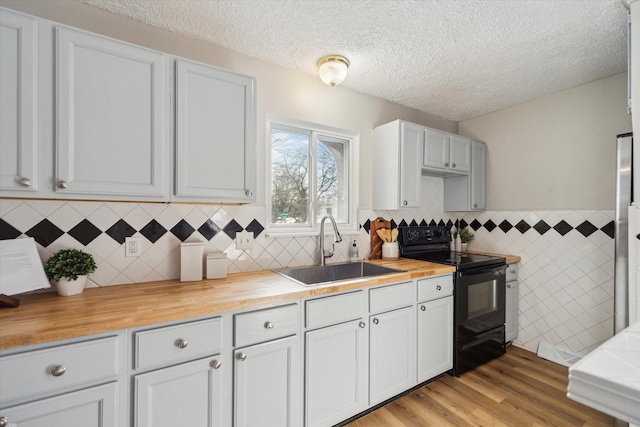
244	240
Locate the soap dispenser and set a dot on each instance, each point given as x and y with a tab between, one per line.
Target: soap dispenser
353	253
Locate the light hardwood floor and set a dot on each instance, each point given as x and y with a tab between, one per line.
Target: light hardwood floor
517	389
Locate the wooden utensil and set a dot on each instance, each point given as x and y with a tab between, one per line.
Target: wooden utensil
394	235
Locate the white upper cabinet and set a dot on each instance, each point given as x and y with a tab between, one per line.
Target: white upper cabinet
397	154
446	154
18	102
215	119
478	176
112	118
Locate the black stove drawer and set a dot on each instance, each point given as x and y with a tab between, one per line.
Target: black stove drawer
479	349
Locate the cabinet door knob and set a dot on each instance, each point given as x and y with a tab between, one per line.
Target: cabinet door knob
475	205
25	182
446	165
268	325
405	203
438	287
4	421
241	356
182	343
58	371
509	286
215	364
512	272
423	308
362	324
62	184
375	321
248	192
453	165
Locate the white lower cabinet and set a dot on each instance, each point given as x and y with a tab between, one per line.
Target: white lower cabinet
435	338
267	384
335	373
182	395
392	354
93	407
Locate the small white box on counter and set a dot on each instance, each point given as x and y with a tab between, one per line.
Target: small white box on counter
216	265
191	260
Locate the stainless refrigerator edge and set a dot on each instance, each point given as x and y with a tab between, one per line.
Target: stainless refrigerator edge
624	198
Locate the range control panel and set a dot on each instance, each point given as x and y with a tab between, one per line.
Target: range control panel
424	235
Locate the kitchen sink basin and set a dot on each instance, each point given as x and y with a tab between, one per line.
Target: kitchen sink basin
320	275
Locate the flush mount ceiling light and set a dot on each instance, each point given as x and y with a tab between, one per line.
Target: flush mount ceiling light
333	69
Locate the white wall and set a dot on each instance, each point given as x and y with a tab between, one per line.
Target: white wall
280	91
555	152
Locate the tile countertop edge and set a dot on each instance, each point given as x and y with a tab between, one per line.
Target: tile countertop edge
47	317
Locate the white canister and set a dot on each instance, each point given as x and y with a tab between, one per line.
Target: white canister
191	261
216	265
390	250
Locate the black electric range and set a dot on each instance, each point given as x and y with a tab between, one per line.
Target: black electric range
478	294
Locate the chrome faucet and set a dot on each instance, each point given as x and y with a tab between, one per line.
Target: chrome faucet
328	254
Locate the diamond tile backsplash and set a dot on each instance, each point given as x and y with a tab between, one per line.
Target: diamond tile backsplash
566	272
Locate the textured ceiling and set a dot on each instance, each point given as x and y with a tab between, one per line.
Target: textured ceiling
453	59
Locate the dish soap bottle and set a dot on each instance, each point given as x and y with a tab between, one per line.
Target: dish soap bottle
458	242
353	253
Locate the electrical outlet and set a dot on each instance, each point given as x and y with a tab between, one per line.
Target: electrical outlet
132	246
244	240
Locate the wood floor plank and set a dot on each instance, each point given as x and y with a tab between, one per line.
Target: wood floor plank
517	389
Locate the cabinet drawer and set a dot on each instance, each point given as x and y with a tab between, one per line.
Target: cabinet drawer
265	325
179	343
512	272
393	296
335	309
43	372
434	288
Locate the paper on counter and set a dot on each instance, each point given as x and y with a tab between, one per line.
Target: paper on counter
21	269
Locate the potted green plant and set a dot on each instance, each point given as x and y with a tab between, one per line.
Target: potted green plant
69	268
466	237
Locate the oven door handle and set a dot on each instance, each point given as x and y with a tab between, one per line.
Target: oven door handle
484	271
479	339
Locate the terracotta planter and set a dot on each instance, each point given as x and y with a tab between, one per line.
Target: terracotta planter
66	287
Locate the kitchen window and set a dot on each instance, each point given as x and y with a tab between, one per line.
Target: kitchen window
312	174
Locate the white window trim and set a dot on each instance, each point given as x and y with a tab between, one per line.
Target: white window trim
354	157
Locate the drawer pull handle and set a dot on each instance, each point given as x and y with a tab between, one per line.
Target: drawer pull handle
268	325
241	356
62	185
438	287
375	321
4	421
423	308
182	343
362	324
58	371
215	364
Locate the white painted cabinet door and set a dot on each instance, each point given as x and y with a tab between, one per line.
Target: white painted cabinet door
435	338
478	177
336	373
392	354
215	134
112	118
184	395
93	407
436	149
411	146
511	312
18	102
267	384
459	153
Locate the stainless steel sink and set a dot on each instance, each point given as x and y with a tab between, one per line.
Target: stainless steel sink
318	275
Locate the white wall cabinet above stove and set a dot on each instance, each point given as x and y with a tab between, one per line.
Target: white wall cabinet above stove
469	192
446	154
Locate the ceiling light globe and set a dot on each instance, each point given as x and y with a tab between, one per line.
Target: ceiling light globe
333	69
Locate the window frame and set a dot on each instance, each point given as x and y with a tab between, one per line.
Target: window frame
312	227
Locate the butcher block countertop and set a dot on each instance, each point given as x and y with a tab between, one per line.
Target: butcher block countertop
47	317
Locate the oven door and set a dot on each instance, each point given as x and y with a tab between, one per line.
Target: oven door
480	301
